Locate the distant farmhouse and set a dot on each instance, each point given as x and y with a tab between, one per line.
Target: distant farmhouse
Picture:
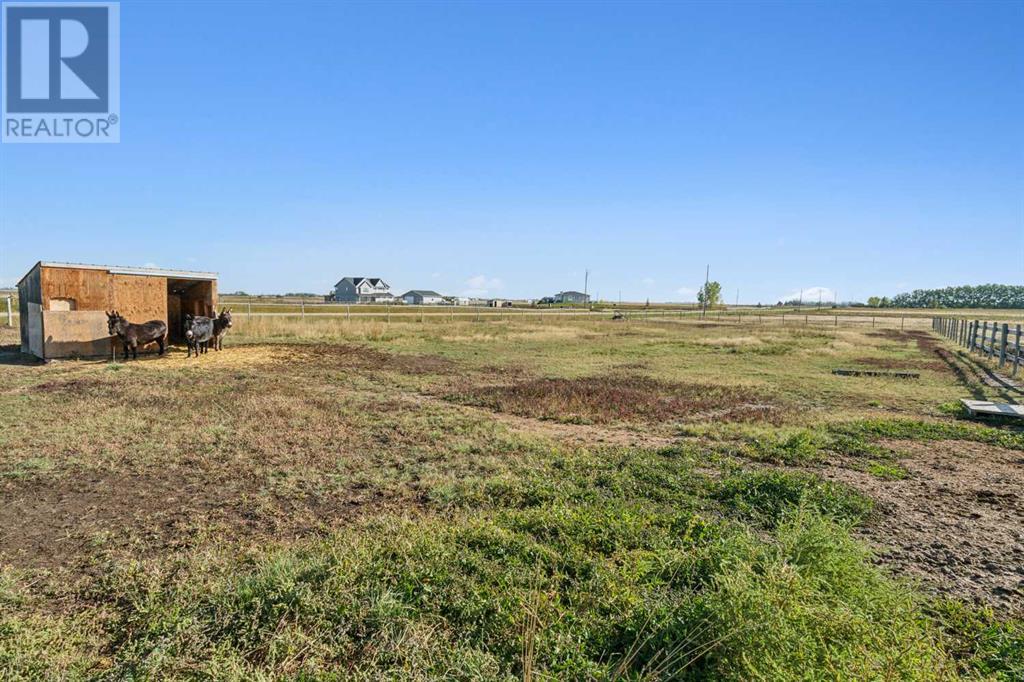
570	297
422	297
363	290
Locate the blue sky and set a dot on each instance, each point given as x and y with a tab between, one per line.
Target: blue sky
503	148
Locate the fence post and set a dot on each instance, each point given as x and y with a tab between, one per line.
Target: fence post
984	335
1002	346
992	342
1016	353
302	309
348	311
249	306
974	338
10	312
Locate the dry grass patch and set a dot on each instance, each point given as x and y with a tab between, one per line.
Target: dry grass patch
604	399
350	356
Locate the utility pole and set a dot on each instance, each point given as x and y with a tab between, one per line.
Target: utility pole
586	281
737	297
819	299
707	278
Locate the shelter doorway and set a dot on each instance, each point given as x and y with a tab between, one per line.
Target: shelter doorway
187	297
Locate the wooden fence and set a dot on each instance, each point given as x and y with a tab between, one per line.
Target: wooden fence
992	340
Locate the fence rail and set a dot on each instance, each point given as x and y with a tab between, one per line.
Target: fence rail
992	340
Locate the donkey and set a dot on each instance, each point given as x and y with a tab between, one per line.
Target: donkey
221	325
198	332
135	335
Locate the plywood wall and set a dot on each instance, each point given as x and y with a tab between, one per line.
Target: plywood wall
89	288
200	299
139	298
76	334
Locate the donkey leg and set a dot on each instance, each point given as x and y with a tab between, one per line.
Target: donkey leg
125	350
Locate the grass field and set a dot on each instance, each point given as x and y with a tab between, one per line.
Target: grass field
511	500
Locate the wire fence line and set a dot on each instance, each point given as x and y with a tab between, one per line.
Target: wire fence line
426	314
996	341
422	314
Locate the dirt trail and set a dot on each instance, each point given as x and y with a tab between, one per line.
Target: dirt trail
957	522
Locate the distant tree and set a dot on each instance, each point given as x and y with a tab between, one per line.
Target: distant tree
981	296
885	302
874	302
711	294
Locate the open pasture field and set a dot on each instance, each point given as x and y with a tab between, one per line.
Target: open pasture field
572	499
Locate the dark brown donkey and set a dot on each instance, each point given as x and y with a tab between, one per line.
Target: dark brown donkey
221	325
135	335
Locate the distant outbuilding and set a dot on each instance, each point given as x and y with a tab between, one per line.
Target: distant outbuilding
63	305
422	297
570	297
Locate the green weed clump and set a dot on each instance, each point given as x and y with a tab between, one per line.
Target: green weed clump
589	592
770	496
800	447
910	429
982	644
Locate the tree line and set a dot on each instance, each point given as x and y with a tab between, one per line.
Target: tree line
981	296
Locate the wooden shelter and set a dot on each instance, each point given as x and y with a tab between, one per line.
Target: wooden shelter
63	305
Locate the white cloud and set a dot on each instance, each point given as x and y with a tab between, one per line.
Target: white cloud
482	285
687	292
150	265
648	281
192	259
810	295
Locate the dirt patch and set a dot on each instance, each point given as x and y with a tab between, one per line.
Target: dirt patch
60	524
612	398
77	387
957	522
